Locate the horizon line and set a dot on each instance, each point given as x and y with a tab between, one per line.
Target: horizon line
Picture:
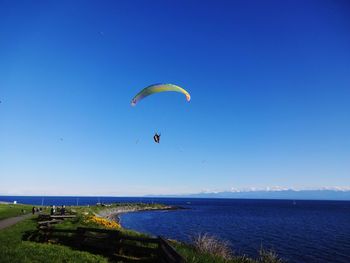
204	192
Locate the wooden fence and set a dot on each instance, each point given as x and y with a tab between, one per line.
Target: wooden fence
115	244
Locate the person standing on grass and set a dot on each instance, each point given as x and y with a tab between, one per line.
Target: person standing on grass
63	210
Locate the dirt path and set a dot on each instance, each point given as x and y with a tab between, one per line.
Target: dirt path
12	220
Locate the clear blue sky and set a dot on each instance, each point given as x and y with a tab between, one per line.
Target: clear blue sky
269	80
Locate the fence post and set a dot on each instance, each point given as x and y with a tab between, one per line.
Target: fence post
168	253
79	237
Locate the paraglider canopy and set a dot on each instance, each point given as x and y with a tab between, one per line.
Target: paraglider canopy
156	88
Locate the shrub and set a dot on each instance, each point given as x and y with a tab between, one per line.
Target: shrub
268	256
102	222
210	244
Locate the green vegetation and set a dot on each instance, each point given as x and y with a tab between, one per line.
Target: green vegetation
11	210
195	254
16	247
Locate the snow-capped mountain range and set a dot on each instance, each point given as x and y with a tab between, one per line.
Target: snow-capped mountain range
324	193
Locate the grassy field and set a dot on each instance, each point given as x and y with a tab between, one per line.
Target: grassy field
15	247
11	210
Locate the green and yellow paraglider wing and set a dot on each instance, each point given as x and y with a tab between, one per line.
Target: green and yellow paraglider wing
156	88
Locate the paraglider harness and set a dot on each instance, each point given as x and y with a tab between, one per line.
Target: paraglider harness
156	138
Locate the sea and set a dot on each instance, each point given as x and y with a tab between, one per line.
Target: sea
297	230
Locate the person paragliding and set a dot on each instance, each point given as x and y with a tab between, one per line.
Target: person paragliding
158	88
156	138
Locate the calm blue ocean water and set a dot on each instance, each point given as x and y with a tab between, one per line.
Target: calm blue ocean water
300	231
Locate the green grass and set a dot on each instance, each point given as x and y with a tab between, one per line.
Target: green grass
11	210
14	249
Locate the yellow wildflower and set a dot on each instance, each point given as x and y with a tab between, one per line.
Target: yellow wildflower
103	222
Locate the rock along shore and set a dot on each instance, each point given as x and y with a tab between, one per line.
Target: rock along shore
114	213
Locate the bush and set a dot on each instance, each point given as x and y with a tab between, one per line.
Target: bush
206	243
268	256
